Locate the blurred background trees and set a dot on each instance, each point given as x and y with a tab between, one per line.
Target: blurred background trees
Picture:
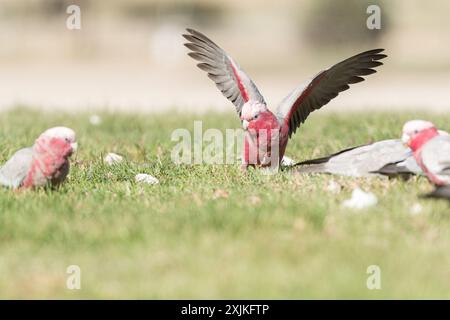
279	42
338	23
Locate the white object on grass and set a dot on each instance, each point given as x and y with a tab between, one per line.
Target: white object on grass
287	162
112	158
360	200
146	178
416	209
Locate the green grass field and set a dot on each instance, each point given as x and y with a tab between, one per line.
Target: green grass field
213	231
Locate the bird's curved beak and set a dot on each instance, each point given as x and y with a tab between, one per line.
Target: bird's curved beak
74	146
245	124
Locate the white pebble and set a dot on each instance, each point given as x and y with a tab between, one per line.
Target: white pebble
287	162
360	200
112	158
95	120
146	178
416	209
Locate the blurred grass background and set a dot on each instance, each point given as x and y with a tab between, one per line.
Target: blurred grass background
129	54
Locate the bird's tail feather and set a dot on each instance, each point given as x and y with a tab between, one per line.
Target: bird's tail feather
312	168
325	159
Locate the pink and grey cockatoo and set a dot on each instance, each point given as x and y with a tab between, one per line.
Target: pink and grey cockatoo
45	163
387	157
431	150
404	168
264	127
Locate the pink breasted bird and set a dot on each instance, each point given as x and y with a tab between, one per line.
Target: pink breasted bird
262	125
45	163
431	150
386	157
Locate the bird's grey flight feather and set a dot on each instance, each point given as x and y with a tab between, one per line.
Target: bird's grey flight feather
222	69
326	85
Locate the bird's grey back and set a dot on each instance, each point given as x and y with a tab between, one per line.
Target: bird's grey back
361	161
14	171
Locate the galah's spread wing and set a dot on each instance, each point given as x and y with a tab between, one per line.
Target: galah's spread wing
231	80
359	161
296	107
436	157
16	169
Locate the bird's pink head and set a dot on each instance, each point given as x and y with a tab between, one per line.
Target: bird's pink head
63	133
61	140
251	111
417	132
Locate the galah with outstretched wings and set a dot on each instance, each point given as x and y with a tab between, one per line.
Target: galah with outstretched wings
264	127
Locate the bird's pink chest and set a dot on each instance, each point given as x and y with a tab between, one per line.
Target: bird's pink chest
262	142
49	157
265	121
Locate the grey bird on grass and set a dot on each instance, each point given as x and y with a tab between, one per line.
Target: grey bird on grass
359	161
391	158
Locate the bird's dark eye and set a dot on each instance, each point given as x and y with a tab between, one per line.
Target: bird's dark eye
416	131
